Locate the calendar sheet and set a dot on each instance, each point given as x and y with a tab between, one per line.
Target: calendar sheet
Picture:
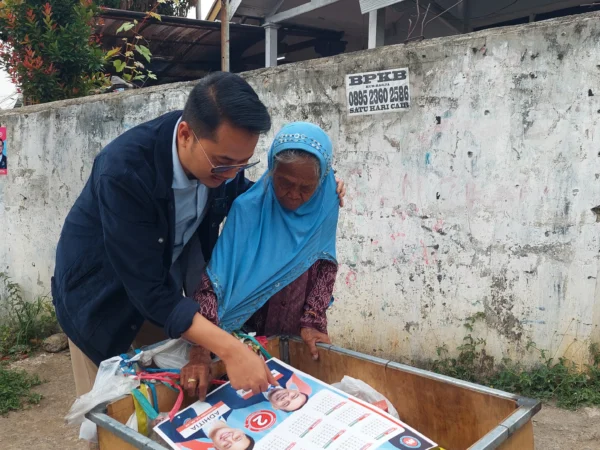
302	413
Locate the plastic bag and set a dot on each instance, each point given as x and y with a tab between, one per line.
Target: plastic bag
132	422
364	392
173	354
88	431
110	384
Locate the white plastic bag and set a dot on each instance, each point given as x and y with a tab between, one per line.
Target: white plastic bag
110	384
364	392
173	354
132	422
88	431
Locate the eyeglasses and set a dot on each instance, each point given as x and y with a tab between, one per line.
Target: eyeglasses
223	169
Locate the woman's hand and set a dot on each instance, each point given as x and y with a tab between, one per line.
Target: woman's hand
195	375
247	371
341	190
311	337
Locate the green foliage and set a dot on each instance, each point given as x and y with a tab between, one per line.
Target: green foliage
550	380
472	361
15	389
129	60
49	48
23	324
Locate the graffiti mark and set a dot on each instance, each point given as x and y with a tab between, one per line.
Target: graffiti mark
350	278
439	225
405	185
395	236
427	159
425	255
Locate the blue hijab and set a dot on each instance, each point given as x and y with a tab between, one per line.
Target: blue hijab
264	247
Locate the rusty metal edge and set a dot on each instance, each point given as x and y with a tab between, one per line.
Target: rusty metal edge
509	426
99	417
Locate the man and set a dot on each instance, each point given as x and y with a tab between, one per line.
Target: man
291	394
3	157
148	216
221	434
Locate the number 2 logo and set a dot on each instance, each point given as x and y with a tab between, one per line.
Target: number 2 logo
260	420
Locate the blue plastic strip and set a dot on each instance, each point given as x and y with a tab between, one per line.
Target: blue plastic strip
162	370
145	404
154	396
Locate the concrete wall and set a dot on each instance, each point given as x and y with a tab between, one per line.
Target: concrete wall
488	210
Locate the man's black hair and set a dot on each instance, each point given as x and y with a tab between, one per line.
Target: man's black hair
251	444
225	97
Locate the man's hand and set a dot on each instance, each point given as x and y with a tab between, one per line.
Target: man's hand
341	190
247	371
311	337
195	375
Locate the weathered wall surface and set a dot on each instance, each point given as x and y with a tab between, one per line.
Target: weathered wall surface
478	199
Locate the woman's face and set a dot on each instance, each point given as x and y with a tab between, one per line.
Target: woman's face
230	439
295	182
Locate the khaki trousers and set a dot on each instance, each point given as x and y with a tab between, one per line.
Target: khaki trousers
84	370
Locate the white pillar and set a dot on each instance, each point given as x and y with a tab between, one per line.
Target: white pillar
270	44
199	10
376	28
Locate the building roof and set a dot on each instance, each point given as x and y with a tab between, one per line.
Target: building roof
450	16
185	49
182	49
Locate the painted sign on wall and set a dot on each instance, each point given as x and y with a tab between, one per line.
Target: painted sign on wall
378	92
3	158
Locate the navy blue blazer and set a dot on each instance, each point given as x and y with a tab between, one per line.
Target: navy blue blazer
115	251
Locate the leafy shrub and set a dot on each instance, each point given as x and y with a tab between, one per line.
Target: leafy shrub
49	48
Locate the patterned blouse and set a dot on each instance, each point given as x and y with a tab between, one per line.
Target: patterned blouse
301	304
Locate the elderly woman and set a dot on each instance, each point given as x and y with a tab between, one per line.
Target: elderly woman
277	275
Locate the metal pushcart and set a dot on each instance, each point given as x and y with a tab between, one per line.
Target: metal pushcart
456	414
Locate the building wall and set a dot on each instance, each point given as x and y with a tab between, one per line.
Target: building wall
476	200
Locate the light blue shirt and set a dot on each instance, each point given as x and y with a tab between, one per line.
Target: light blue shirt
190	202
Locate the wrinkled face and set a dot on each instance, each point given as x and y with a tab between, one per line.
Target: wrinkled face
288	400
229	146
295	183
230	439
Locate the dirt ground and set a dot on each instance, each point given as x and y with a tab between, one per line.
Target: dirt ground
42	427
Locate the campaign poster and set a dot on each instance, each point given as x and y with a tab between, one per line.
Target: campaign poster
302	413
3	148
